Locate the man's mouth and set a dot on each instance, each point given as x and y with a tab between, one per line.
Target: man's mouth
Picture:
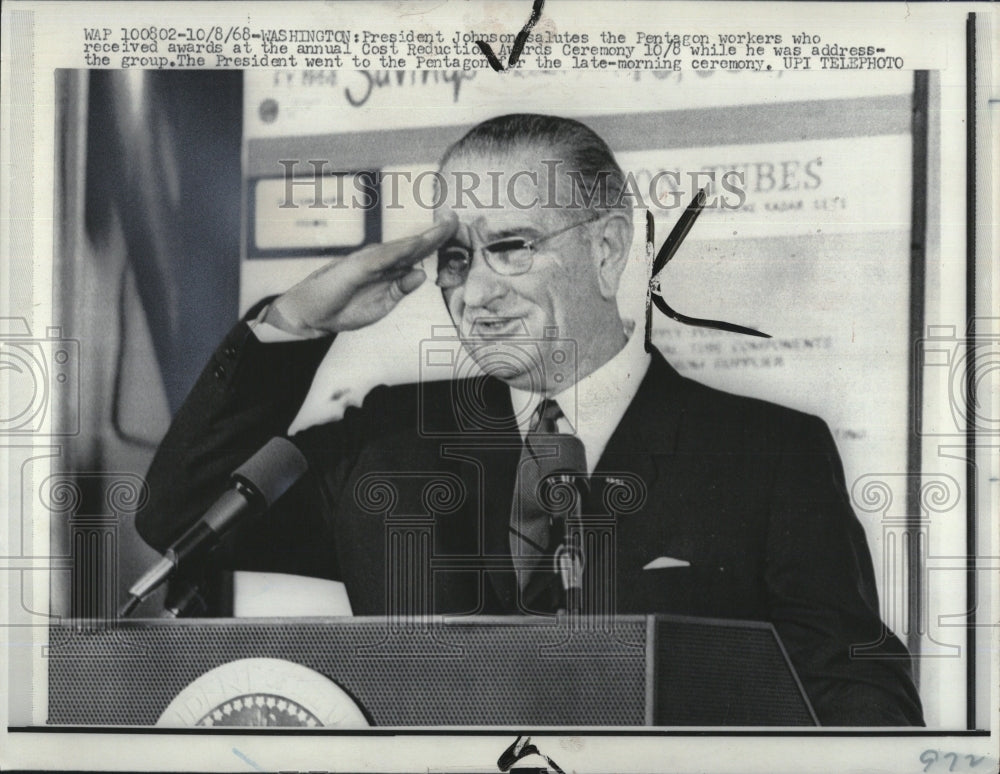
498	327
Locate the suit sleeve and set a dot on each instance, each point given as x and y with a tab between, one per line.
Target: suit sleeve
248	393
822	592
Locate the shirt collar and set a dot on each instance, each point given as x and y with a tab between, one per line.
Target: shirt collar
593	406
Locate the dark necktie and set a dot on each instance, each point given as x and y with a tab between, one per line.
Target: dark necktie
545	454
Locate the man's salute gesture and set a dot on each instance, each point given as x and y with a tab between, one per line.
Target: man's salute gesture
359	289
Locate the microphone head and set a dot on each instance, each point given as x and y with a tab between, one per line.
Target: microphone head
273	469
568	561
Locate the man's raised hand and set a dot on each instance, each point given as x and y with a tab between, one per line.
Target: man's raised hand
358	289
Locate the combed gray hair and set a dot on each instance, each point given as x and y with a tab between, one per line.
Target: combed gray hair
588	160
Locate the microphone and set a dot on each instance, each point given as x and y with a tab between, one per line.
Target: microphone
566	486
253	487
568	563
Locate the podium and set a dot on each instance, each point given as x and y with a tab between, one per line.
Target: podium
558	672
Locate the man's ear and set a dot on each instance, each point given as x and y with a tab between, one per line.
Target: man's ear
613	245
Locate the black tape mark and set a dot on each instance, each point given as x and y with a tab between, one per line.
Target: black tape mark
649	284
680	231
522	748
669	249
719	325
519	41
490	56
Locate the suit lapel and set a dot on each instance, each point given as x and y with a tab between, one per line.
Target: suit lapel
649	428
631	488
489	436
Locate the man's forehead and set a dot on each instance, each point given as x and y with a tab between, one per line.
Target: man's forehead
497	224
520	188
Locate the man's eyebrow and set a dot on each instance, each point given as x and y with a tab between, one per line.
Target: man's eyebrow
465	234
508	233
525	233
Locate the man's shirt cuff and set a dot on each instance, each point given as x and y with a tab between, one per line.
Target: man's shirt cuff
271	334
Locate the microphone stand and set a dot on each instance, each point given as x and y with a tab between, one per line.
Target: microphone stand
568	560
187	598
183	599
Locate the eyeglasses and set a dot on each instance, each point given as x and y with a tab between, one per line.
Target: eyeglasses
509	256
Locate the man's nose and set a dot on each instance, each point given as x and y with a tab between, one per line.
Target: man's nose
482	285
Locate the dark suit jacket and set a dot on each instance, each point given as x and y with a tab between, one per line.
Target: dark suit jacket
751	494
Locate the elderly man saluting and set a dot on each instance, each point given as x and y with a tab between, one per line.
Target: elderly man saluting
746	498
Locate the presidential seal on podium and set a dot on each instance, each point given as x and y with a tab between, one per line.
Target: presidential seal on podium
263	692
